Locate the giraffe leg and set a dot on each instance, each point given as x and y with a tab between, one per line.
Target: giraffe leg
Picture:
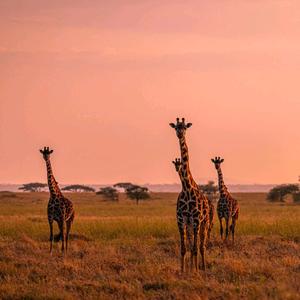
69	224
221	228
189	238
232	227
195	246
204	228
63	236
226	229
181	228
211	222
209	232
51	234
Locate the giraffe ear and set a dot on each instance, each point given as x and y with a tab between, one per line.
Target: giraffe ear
212	160
41	151
172	125
221	160
51	151
188	125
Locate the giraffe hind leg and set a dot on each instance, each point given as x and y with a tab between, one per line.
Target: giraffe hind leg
226	228
221	228
204	228
232	228
51	235
62	233
69	224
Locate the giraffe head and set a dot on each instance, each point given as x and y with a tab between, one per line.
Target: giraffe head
180	127
177	163
46	152
217	161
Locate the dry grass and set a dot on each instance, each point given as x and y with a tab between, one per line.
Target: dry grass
124	251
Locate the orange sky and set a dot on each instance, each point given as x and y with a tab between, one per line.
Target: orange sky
99	81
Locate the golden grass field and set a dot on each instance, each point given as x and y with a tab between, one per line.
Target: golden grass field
124	251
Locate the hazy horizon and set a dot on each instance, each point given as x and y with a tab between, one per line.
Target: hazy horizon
99	82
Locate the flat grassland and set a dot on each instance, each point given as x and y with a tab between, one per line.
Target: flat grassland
124	251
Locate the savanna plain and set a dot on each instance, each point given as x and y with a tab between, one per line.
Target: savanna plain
128	251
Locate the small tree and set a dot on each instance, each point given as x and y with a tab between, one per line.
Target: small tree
78	188
109	193
137	193
210	190
277	193
32	187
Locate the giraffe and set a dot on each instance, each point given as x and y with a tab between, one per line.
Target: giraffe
192	206
178	164
227	206
60	209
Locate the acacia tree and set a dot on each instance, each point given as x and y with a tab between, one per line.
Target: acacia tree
32	187
109	193
137	193
78	188
277	193
209	189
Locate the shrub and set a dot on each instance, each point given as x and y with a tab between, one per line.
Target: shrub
277	193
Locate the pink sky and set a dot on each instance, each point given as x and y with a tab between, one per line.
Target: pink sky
99	81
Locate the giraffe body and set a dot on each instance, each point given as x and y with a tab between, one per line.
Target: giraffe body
227	207
192	206
60	209
178	166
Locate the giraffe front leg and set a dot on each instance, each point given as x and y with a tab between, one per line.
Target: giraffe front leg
51	235
189	238
181	228
195	246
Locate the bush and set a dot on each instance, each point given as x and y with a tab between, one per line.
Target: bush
296	197
277	193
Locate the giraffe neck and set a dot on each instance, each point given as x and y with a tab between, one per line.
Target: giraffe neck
52	184
185	172
185	179
222	186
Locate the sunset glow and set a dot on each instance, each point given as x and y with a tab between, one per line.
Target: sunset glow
99	82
